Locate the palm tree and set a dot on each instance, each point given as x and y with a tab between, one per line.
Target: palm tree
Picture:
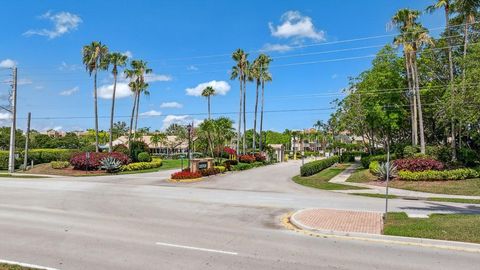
138	86
93	58
208	92
412	37
265	76
446	5
158	138
255	75
239	71
116	60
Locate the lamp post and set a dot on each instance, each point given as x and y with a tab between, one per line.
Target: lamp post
189	128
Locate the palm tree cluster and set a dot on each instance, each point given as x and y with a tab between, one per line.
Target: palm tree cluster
257	72
96	57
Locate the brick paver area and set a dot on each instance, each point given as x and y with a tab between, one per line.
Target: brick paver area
341	221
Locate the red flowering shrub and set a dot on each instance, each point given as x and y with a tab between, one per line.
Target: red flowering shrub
247	158
185	175
229	151
260	157
418	164
80	162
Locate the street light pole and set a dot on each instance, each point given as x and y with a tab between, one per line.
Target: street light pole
11	156
388	178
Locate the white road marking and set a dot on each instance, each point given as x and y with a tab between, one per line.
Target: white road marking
197	248
27	265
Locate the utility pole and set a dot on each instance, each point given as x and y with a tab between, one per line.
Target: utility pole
27	135
11	156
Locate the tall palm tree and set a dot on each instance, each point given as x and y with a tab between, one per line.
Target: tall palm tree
446	5
93	59
138	86
116	60
239	72
208	92
255	76
412	37
265	76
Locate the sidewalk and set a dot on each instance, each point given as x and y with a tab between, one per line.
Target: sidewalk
372	189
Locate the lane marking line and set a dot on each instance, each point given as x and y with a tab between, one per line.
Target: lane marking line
196	248
27	265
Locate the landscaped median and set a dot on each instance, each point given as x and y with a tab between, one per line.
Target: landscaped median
317	174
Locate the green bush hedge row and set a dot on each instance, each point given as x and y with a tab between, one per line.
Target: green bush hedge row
315	167
247	166
137	166
458	174
59	164
4	161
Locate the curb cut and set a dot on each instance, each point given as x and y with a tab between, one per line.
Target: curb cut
387	239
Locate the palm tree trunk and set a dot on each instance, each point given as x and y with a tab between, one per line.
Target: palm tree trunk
112	112
450	64
419	104
244	115
240	116
136	116
413	114
131	119
464	76
255	118
209	108
96	109
260	143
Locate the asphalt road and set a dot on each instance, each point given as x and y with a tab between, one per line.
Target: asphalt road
226	222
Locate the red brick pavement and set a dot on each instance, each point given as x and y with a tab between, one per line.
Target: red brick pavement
341	221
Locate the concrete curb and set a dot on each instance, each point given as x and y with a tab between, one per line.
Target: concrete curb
387	239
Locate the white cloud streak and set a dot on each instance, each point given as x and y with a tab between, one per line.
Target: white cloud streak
63	23
7	63
295	25
171	105
221	88
70	92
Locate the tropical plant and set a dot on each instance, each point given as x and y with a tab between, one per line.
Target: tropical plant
110	164
239	71
208	92
265	76
94	56
116	60
387	169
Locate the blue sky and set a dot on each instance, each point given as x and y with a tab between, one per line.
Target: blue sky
188	44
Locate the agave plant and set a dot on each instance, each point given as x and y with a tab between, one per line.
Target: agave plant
385	168
111	165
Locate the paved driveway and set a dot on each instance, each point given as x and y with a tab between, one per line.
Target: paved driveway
226	222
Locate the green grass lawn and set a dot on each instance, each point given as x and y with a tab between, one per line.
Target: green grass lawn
167	164
320	180
453	227
461	187
7	175
383	196
362	175
14	267
472	201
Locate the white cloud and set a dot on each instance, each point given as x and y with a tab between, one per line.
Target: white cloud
334	76
152	77
24	81
64	66
221	88
151	113
63	22
128	54
179	119
276	48
7	63
192	68
295	25
70	92
175	105
39	87
106	91
5	116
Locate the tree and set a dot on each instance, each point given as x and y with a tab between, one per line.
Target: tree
239	72
446	5
119	129
265	76
94	56
208	92
116	60
255	76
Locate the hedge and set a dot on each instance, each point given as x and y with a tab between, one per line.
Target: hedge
40	156
458	174
137	166
4	161
59	164
315	167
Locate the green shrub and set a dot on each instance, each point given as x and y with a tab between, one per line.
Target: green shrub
4	161
144	157
410	151
347	157
468	157
458	174
374	167
59	164
137	166
40	156
221	169
439	152
365	160
136	147
242	167
315	167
